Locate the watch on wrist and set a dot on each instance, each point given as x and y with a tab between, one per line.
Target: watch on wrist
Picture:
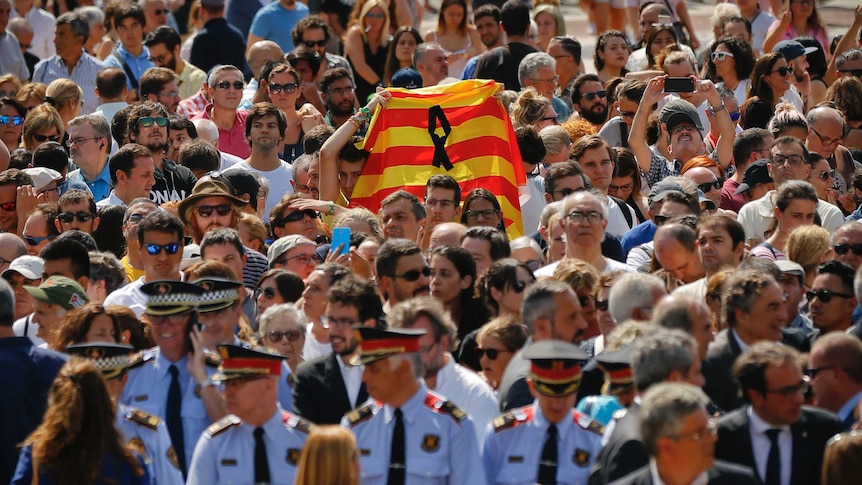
716	109
202	384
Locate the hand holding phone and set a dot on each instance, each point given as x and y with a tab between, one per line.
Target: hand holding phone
679	85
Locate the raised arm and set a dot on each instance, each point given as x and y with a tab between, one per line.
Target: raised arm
637	136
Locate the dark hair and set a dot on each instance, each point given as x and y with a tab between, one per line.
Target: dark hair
160	221
77	323
308	23
120	124
562	170
49	211
77	22
222	235
418	208
77	195
288	284
487	10
579	83
144	109
482	193
726	224
75	252
444	181
515	17
794	190
166	35
358	293
627	165
262	110
183	123
316	137
463	262
108	268
570	45
750	367
651	35
129	10
743	57
758	86
79	237
198	155
16	177
302	53
501	275
391	252
842	270
499	243
600	47
125	158
109	235
392	63
332	75
530	145
51	155
746	143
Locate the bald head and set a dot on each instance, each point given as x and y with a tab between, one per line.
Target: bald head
262	52
11	246
447	234
207	131
687	314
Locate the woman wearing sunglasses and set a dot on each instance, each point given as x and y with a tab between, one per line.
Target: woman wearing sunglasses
284	89
41	125
503	285
498	341
277	286
729	65
282	330
770	79
12	114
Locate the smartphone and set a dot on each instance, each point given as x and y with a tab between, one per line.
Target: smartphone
679	85
341	237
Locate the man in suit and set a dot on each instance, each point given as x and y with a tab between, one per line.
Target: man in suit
328	387
680	437
835	370
663	356
781	440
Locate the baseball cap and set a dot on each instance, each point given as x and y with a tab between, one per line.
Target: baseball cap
660	190
285	244
60	290
791	49
792	268
703	199
756	173
679	111
407	78
213	3
42	176
27	266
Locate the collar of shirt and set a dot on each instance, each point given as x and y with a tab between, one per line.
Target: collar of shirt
165	364
409	409
701	479
743	347
849	406
145	53
759	426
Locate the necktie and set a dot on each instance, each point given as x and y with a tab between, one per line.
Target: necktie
174	419
397	465
773	462
548	465
261	466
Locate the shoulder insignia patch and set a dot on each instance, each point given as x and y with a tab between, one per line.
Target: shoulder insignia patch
138	445
222	425
211	359
587	423
359	415
143	418
296	422
512	418
442	406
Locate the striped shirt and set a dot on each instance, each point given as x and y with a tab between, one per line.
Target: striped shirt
84	74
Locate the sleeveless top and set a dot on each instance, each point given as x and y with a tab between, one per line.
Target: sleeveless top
376	62
457	60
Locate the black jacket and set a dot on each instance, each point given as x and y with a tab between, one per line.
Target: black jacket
319	393
719	474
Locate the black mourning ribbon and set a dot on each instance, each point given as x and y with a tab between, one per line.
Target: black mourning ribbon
435	113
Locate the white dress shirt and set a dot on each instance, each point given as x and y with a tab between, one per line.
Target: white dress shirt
760	444
44	28
469	392
352	376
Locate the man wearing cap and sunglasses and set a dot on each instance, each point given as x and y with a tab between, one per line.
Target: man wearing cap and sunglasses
210	205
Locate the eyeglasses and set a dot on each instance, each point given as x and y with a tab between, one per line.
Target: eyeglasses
268	293
170	94
593	96
519	286
843	248
577	217
238	85
330	321
80	141
676	130
852	72
298	216
552	119
157	60
13	94
207	210
342	91
414	274
791	391
443	203
44	138
147	121
136	218
276	336
9	206
34	241
827	174
154	249
602	305
172	320
734	115
721	56
288	88
485	214
615	188
68	217
660	220
492	354
375	15
826	141
314	43
792	160
707	186
14	120
783	71
554	80
585	300
626	114
568	192
825	296
812	372
710	430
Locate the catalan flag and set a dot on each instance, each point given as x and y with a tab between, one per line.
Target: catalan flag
471	139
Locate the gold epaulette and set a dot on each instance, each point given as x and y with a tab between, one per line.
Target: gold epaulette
143	418
222	425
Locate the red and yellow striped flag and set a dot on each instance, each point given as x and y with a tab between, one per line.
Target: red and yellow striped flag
473	126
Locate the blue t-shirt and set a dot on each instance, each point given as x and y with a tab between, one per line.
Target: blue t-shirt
274	22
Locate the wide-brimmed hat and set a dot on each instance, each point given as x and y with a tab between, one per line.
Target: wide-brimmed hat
208	188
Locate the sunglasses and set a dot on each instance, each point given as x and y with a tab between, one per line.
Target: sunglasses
414	274
783	71
491	353
288	88
44	138
597	94
519	286
228	85
843	248
276	336
312	43
160	11
155	249
268	293
721	56
300	215
602	305
660	220
9	206
68	217
147	121
734	116
825	296
34	241
705	187
626	114
14	120
207	210
826	175
585	300
852	72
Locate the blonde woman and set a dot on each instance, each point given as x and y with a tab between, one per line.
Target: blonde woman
329	456
809	246
366	46
42	124
66	97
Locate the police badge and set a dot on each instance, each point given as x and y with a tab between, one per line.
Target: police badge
430	443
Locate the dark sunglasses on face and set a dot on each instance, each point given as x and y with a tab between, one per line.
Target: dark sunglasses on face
68	217
288	88
705	187
300	215
520	286
825	296
155	249
852	72
268	293
311	43
9	206
826	175
160	11
13	120
44	138
734	115
660	220
585	300
147	121
783	71
843	248
34	241
414	274
593	96
492	354
227	85
602	305
276	336
207	210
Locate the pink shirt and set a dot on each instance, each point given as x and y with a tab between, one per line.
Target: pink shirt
790	34
233	141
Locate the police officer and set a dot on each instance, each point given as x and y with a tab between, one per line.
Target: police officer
145	433
174	382
407	434
219	310
259	442
547	442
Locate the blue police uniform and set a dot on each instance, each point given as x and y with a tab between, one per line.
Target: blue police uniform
148	435
147	389
225	452
440	442
513	446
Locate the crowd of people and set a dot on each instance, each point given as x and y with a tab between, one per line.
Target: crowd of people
188	294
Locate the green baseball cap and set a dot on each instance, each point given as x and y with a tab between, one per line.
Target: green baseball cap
60	290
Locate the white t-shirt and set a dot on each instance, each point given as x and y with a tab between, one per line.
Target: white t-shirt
617	222
279	181
312	348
